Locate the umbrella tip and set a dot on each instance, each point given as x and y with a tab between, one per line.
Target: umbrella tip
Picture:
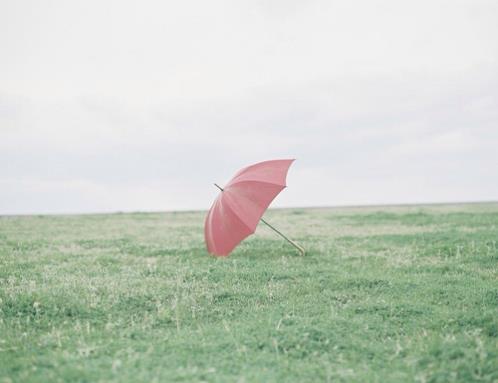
218	186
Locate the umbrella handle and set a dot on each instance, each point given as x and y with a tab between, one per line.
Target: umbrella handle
297	246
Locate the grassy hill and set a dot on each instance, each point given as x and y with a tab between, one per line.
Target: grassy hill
385	294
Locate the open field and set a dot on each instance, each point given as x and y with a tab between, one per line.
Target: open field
385	294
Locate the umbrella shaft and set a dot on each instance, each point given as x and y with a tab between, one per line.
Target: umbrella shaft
300	248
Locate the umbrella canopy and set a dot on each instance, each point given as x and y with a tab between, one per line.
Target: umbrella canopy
241	204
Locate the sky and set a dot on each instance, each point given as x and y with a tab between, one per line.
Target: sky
110	106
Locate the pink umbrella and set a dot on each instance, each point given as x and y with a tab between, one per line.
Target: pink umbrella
241	204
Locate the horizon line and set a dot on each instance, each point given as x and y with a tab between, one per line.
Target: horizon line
347	206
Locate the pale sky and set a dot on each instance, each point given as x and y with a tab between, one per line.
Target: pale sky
141	105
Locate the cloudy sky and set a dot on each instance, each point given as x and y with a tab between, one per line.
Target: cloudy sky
142	105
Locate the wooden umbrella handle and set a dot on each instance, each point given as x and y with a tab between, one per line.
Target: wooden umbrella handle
297	246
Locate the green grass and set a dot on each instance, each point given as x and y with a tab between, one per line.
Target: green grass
385	294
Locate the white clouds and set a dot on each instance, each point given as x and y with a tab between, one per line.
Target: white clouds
160	99
73	195
189	50
454	142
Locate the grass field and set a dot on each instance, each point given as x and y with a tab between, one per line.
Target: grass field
385	294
